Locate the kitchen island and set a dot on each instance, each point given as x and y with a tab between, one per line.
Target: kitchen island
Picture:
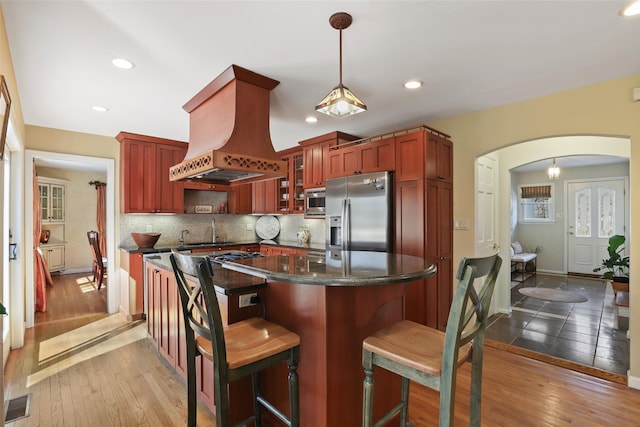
333	300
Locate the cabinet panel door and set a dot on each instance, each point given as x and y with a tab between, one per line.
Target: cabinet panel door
240	199
342	162
409	240
265	197
166	338
314	166
377	156
56	203
169	195
439	158
410	155
139	169
439	220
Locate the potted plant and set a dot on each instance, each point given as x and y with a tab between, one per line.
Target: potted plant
616	267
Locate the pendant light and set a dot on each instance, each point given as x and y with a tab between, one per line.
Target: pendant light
341	102
554	170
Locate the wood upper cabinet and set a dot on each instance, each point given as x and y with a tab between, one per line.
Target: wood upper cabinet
264	197
410	156
240	199
424	154
361	158
144	164
439	160
315	152
290	189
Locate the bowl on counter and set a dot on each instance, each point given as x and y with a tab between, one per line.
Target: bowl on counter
145	240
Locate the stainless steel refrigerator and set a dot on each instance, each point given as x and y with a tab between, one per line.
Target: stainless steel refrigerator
359	212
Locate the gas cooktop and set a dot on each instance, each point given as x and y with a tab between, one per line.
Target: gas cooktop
233	256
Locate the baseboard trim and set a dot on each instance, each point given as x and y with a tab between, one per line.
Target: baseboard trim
633	382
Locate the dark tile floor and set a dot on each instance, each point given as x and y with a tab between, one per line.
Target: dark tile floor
589	333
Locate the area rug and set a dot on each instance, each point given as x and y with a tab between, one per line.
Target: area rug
557	295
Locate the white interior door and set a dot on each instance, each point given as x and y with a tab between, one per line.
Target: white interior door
486	205
596	211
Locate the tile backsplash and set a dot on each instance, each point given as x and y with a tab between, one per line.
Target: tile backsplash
231	228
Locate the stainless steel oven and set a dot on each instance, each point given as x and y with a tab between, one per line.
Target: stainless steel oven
314	203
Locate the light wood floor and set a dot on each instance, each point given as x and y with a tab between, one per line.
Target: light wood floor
87	368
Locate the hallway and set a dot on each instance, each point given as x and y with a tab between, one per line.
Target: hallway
590	333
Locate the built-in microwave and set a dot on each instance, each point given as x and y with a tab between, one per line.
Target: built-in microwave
314	203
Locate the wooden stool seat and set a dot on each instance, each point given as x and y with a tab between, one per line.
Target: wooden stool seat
251	340
398	343
431	357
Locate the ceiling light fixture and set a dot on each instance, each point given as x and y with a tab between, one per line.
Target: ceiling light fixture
122	63
311	119
99	108
412	84
631	9
341	101
554	170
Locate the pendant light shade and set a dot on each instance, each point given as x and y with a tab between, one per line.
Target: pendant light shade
554	170
341	102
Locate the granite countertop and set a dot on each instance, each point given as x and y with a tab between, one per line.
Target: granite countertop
226	281
349	268
188	246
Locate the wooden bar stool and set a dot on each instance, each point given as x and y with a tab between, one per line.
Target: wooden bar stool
242	349
431	357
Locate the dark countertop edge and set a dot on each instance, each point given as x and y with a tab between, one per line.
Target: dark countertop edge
327	281
160	262
284	243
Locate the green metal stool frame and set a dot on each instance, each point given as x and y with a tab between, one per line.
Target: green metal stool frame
431	357
204	331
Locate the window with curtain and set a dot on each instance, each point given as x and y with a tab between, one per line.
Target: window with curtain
536	203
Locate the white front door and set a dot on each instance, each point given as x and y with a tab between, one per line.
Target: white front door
596	211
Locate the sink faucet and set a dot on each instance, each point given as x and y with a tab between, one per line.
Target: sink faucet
213	231
182	233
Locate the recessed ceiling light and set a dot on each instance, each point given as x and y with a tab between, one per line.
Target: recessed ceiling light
631	9
311	119
122	63
99	108
412	84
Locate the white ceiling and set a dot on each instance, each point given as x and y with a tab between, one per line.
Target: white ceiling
471	55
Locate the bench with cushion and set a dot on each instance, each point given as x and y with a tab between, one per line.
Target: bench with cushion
519	261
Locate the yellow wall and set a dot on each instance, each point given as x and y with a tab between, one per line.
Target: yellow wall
601	109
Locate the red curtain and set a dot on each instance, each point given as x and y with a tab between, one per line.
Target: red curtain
42	277
101	216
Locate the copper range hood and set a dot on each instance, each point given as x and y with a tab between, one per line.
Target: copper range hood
229	140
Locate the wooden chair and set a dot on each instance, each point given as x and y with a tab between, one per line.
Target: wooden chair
239	350
432	357
99	262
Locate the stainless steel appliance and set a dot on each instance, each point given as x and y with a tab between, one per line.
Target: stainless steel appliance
314	203
359	212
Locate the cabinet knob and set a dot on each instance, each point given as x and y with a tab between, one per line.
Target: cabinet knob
440	177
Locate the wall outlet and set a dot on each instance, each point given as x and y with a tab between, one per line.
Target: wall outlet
149	228
249	226
245	300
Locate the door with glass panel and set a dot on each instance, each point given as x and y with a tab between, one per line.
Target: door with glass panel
596	211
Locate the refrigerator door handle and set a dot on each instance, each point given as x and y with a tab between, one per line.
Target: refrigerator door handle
346	225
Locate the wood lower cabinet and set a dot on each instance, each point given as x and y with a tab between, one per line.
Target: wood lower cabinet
165	327
144	166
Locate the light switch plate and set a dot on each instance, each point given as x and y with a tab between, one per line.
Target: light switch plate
636	94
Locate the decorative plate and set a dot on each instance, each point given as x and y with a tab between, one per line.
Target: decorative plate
267	227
